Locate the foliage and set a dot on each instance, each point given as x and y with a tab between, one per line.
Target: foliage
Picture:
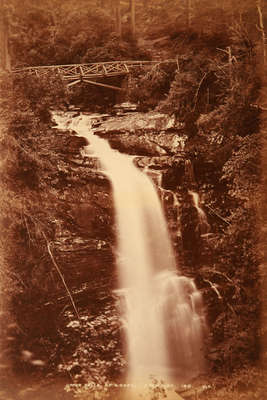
49	33
55	36
214	96
41	94
234	308
181	94
114	49
231	277
246	384
96	361
29	207
147	86
246	160
213	87
32	206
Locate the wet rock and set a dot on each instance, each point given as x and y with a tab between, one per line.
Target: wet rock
75	143
94	219
131	144
150	144
90	162
66	142
152	134
157	163
73	108
124	107
174	176
139	123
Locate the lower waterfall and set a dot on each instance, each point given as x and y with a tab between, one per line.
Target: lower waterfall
162	310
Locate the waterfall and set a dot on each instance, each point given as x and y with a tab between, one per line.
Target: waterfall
189	171
162	310
204	226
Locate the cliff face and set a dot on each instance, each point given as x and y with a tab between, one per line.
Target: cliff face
157	144
73	285
84	242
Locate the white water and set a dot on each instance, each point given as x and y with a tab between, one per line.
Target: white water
163	311
189	171
204	226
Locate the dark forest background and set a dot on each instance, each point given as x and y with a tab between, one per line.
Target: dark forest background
217	89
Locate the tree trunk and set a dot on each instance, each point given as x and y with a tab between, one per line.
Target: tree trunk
230	64
132	7
261	29
4	54
188	13
145	4
118	16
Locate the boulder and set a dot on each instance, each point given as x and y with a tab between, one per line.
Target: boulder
151	134
139	123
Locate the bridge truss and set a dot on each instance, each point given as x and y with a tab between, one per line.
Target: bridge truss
73	74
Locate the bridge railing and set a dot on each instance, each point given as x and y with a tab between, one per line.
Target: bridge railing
76	73
110	66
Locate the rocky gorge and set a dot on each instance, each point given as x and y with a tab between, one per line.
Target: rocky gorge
194	127
89	245
156	144
83	335
77	298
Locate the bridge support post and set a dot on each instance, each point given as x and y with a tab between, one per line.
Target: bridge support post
121	95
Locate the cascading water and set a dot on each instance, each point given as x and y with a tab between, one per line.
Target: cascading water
204	226
163	311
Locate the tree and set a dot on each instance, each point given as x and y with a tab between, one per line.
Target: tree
189	13
4	54
261	29
145	3
118	16
133	27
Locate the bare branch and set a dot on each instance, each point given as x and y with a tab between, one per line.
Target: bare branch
223	50
218	215
259	107
222	274
263	36
214	288
177	63
198	88
60	274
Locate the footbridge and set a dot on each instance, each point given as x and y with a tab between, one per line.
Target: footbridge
73	74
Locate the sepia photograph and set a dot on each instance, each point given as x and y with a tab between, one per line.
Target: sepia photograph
133	201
